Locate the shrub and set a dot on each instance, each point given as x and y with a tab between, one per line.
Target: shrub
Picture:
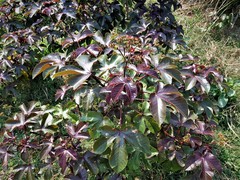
132	100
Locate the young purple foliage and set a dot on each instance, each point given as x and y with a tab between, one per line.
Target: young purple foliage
125	97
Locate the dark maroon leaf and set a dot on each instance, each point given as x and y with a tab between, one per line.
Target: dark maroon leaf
79	171
179	121
169	71
212	70
189	57
193	161
158	108
170	95
76	131
176	121
21	170
117	91
208	162
166	144
47	147
213	162
5	155
195	141
178	155
61	92
202	128
76	38
19	121
94	49
119	88
64	156
143	69
79	51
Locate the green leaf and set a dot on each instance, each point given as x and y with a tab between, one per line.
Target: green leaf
141	125
139	141
208	107
83	61
77	81
231	93
108	131
114	61
134	161
152	125
92	117
102	144
222	101
100	39
119	157
90	163
19	175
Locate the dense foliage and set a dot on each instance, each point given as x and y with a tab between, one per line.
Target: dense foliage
129	100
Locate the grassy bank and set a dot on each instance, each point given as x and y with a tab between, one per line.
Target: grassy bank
220	47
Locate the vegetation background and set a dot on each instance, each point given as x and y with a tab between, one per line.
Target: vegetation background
212	32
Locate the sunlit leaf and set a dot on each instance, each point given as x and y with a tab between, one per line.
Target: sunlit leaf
119	156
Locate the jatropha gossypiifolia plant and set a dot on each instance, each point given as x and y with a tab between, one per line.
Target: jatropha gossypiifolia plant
129	99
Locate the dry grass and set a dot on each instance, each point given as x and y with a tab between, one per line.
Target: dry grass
218	47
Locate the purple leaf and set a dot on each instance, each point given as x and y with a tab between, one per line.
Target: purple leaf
47	147
94	49
142	68
213	162
120	88
169	71
195	141
5	155
208	162
76	131
158	108
64	156
170	95
202	128
79	51
193	161
61	92
76	38
166	144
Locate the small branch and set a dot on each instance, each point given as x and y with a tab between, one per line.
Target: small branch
139	99
141	78
121	115
125	67
70	35
98	81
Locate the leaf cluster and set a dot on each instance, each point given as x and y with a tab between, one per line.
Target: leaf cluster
130	100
